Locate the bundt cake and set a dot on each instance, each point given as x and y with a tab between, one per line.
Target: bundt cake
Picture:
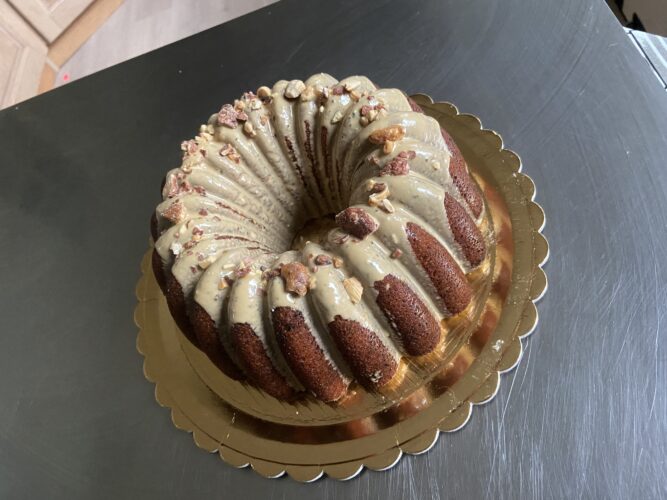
315	234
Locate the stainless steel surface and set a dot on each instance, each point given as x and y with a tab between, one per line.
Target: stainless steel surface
584	415
654	49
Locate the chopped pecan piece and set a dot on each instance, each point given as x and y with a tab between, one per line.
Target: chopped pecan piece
357	222
296	278
392	133
377	187
294	89
175	213
387	206
227	116
270	274
189	147
249	129
323	260
377	198
338	90
241	271
399	165
230	152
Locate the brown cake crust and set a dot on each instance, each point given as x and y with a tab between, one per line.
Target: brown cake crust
415	107
369	359
462	180
324	144
310	153
178	307
466	233
408	315
445	274
257	363
209	342
304	356
154	233
458	170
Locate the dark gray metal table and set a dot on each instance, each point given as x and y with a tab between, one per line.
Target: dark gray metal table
585	413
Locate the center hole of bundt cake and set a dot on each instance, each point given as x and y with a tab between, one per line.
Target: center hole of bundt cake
314	230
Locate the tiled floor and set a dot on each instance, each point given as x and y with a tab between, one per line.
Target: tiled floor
139	26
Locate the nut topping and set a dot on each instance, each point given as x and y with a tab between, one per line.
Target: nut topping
269	274
229	117
323	260
338	116
175	213
354	289
241	271
294	89
377	187
372	159
387	206
399	165
204	263
392	133
249	129
296	278
189	147
231	153
338	90
357	222
378	197
396	253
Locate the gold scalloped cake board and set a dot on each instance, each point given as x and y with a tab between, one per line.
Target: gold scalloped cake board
305	440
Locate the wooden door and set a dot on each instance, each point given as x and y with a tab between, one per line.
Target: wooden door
50	17
22	57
